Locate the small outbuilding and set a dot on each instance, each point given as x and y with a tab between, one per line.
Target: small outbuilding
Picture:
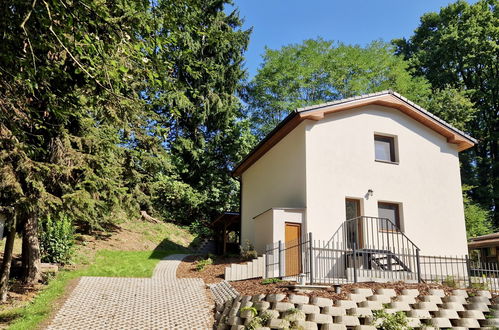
227	232
487	247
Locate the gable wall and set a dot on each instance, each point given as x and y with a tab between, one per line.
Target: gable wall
276	180
340	164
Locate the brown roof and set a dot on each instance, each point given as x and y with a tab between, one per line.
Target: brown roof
385	98
489	240
227	219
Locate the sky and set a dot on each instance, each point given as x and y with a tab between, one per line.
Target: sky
281	22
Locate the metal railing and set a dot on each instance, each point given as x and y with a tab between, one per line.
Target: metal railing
374	233
289	259
372	249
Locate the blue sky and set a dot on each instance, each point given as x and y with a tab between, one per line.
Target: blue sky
281	22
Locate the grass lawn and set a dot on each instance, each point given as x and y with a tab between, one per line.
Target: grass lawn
105	263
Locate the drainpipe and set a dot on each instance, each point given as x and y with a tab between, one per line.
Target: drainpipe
240	179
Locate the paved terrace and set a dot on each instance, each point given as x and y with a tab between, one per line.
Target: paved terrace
160	302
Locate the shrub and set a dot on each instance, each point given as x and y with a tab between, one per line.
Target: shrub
259	321
386	321
450	281
270	281
56	239
201	264
248	252
253	310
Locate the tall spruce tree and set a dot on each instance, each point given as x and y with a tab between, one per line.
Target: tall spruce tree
69	85
198	53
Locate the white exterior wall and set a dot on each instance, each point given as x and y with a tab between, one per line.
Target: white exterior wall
427	183
275	180
264	226
269	226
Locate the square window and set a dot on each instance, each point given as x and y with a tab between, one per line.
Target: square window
384	148
391	212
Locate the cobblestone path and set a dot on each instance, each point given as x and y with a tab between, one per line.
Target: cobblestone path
160	302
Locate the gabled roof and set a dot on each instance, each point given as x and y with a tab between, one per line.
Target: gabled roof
386	98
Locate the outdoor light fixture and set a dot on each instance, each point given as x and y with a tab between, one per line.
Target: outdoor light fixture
370	192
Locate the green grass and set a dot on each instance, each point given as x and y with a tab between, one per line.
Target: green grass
161	232
106	263
125	263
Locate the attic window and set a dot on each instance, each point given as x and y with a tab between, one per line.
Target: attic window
384	148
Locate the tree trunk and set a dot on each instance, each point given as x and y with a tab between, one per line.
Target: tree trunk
7	261
31	250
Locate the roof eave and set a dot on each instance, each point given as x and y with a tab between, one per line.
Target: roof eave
317	112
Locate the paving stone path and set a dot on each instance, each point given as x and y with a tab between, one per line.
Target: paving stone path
160	302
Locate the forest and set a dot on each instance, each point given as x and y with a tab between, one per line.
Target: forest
121	109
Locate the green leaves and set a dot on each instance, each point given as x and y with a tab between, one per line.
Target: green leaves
317	71
457	48
477	218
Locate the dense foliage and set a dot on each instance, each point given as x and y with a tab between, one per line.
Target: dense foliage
110	108
56	239
477	218
317	71
458	48
66	92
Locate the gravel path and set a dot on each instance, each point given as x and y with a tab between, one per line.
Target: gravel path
160	302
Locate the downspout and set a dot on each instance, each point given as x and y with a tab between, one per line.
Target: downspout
240	179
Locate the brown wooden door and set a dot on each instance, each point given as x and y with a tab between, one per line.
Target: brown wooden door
354	228
292	248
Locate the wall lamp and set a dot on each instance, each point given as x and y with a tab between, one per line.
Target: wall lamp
370	192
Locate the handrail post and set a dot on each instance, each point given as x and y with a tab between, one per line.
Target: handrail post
266	267
354	262
280	258
468	269
418	265
311	257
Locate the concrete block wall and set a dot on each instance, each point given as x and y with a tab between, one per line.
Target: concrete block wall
433	311
252	269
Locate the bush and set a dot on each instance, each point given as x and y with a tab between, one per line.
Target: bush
248	252
450	281
56	240
260	321
270	281
201	264
395	321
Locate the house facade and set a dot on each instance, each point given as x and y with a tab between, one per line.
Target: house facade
376	155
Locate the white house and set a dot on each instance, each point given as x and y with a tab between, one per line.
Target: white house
376	155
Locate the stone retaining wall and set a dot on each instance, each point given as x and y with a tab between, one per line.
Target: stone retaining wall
433	311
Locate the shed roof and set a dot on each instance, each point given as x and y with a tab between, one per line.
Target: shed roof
385	98
489	240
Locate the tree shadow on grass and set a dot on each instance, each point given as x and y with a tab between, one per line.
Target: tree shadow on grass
167	247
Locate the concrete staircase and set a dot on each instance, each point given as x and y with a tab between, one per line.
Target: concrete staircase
252	269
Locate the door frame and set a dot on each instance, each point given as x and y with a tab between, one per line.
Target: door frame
360	228
297	247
